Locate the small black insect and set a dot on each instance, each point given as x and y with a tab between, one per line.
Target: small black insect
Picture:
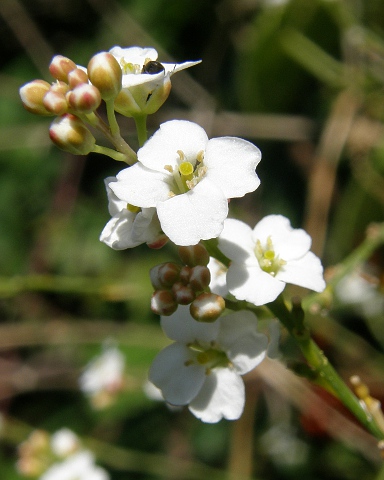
152	67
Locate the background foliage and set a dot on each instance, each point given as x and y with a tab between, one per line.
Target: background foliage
304	81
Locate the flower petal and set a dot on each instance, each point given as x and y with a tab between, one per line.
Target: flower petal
306	272
231	164
140	186
178	379
193	216
244	346
180	326
115	204
235	241
117	233
253	284
288	243
161	149
221	396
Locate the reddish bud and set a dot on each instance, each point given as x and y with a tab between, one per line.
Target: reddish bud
199	278
164	275
185	273
183	294
60	67
55	102
70	134
163	303
32	95
76	77
84	98
207	307
194	255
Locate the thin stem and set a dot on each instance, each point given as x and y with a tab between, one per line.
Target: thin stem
141	128
321	366
120	157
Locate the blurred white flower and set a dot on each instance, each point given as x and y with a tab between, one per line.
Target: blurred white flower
64	442
79	466
203	367
264	259
189	179
103	377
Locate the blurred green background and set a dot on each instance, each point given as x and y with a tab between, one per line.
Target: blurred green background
303	80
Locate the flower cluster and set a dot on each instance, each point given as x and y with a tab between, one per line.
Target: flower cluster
176	189
59	456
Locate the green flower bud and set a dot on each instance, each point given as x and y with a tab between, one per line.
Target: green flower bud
84	98
32	95
70	134
105	73
60	67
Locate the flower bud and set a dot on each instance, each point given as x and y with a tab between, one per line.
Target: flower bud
70	134
158	242
32	95
59	87
76	77
60	67
105	73
164	275
199	278
185	273
84	98
207	307
183	294
194	255
55	102
163	303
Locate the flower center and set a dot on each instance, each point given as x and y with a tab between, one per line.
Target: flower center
188	174
210	356
268	260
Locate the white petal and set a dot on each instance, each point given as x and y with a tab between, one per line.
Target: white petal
177	67
161	149
288	243
180	326
115	204
306	272
244	346
221	396
193	216
178	380
117	233
134	55
253	284
231	164
140	186
218	282
235	241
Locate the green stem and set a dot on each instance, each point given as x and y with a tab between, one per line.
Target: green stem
141	128
120	157
321	366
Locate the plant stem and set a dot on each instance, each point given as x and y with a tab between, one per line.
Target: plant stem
120	157
141	128
320	364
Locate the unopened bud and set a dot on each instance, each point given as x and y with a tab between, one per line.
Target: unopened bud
185	273
55	102
76	77
106	74
194	255
207	307
199	278
163	303
70	134
84	98
158	242
60	67
164	275
183	294
32	95
59	87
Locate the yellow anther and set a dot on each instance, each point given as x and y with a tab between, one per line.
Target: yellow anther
181	155
168	168
133	208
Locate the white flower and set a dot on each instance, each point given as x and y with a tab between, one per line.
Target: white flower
202	367
64	442
103	376
146	82
218	283
264	259
79	466
130	226
188	178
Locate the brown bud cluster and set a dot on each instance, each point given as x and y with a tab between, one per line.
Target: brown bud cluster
75	92
186	284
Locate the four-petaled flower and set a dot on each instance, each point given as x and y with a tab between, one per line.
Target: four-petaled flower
189	179
203	367
264	259
146	82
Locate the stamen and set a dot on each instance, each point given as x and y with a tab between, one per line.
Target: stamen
133	208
